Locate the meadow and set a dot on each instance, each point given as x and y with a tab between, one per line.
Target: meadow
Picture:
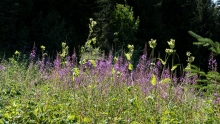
108	90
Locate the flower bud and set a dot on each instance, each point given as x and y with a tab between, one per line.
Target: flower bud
152	43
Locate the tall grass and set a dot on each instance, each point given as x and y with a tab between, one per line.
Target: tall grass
101	91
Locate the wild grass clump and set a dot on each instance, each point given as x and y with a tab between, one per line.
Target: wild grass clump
106	90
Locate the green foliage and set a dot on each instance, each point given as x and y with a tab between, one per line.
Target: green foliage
90	49
208	81
153	80
124	25
206	42
27	97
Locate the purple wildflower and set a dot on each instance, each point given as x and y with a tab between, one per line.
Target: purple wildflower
57	63
212	65
2	68
33	53
216	99
166	73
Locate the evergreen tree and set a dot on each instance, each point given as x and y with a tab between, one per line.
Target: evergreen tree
124	26
179	16
103	31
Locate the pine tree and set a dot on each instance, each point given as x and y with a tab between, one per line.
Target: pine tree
124	25
103	31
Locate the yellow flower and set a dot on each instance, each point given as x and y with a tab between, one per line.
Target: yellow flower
191	59
76	71
94	23
63	44
130	46
171	43
152	43
94	40
17	53
93	63
188	53
128	56
113	70
42	47
169	51
115	59
130	66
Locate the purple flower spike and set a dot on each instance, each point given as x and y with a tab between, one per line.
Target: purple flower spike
212	65
33	54
216	94
2	68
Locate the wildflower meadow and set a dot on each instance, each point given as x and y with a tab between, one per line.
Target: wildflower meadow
108	89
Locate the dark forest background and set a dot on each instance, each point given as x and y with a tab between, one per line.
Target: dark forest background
24	23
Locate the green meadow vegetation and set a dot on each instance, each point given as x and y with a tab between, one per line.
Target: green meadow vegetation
108	89
109	78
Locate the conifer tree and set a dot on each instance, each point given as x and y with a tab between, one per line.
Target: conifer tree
103	30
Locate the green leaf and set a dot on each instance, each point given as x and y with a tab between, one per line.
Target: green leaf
163	62
202	73
194	35
174	67
195	67
153	80
191	74
207	44
166	80
202	81
197	43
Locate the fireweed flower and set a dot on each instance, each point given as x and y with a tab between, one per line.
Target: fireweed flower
166	73
142	63
2	68
32	54
174	78
41	64
216	99
143	57
56	63
212	65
